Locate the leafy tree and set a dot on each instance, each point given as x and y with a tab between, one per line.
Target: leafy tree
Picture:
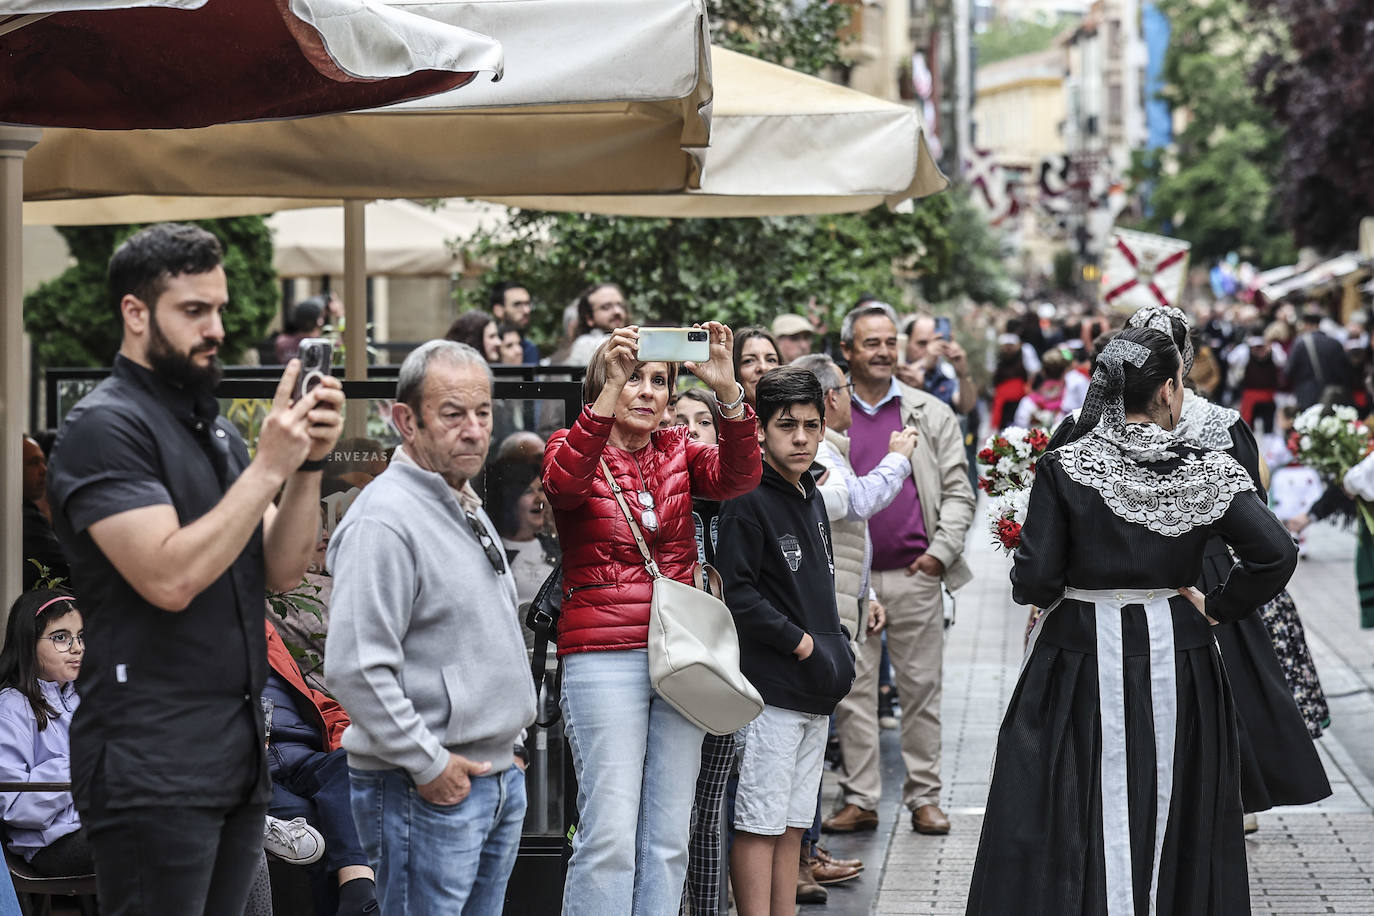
1315	77
796	35
746	271
1012	38
1215	188
749	270
71	317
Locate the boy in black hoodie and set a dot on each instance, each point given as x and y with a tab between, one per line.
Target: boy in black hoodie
773	553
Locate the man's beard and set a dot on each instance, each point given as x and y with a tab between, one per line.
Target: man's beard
179	369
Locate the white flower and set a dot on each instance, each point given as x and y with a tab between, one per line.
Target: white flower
1347	413
1305	443
1005	466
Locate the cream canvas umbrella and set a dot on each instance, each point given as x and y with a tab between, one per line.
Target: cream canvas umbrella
784	143
403	238
116	65
598	96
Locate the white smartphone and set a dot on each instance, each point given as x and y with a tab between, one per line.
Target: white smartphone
674	345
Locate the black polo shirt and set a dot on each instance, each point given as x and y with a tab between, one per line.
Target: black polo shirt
170	711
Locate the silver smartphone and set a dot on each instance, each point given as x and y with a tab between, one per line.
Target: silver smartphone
316	356
674	345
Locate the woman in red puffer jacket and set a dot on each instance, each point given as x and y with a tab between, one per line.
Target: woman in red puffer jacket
635	756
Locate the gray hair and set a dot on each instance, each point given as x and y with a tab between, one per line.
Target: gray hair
873	307
823	368
410	383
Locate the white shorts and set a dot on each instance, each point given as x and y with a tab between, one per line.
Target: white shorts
781	755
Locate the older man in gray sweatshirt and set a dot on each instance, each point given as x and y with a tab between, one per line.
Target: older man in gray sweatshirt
425	653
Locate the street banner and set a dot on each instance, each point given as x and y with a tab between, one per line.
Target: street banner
1142	269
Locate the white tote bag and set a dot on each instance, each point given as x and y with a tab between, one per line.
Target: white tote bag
693	646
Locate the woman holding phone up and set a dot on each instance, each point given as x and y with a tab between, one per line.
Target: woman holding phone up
635	756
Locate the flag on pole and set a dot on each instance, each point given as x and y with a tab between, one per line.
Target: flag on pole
1142	269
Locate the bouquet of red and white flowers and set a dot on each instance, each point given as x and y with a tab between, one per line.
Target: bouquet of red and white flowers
1007	459
1006	515
1006	471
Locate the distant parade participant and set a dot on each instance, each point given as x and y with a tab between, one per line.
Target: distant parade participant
1115	789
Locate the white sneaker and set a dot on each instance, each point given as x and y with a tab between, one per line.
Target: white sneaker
1251	823
293	841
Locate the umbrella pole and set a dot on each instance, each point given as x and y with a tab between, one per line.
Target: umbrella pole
15	143
355	309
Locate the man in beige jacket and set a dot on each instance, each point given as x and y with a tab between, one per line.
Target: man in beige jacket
918	545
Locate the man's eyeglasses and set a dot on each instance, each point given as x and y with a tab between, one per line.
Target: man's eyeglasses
495	556
847	386
65	642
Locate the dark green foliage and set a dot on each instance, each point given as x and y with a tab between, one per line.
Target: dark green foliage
798	36
72	319
747	271
1216	189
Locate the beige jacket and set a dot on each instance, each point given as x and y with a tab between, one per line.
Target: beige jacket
940	468
848	545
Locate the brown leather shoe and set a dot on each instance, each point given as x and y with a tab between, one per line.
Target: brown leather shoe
930	820
826	875
850	819
808	891
823	856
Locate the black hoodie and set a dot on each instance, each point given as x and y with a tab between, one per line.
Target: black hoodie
774	556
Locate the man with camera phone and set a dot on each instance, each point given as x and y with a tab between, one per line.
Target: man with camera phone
174	541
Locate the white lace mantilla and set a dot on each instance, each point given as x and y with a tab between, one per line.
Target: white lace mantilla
1206	424
1173	501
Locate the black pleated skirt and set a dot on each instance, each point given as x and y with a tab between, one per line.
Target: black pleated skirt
1279	764
1041	850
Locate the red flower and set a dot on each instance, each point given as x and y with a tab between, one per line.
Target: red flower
987	456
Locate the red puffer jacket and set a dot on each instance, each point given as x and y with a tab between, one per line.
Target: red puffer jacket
606	590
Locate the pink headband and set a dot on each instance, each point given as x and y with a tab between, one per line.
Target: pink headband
51	603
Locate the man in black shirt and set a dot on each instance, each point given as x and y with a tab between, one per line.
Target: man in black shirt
174	539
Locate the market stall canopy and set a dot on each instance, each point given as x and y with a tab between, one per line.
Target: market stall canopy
403	237
1319	278
122	64
598	96
784	143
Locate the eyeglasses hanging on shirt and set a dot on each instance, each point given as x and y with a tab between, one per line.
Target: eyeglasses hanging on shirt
494	554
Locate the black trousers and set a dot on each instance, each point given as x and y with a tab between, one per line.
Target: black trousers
186	861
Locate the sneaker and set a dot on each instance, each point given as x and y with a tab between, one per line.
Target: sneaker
1251	823
293	841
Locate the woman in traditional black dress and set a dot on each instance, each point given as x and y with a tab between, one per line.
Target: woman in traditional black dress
1279	764
1115	788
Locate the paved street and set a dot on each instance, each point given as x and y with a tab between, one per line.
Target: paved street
1318	859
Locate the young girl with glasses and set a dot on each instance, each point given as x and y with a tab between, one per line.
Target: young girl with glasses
44	643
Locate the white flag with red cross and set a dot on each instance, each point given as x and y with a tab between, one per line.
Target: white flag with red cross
1142	269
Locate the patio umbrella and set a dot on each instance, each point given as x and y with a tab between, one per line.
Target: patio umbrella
319	55
599	96
120	64
784	143
403	237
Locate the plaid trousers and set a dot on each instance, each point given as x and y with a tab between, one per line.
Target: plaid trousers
701	894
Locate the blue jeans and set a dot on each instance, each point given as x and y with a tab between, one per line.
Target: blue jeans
636	760
439	859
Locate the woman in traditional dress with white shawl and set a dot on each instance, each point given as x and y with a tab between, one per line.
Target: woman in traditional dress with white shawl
1115	791
1279	700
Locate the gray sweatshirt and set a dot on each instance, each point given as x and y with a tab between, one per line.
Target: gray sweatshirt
424	647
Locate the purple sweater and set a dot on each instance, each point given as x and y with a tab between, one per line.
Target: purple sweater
899	531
